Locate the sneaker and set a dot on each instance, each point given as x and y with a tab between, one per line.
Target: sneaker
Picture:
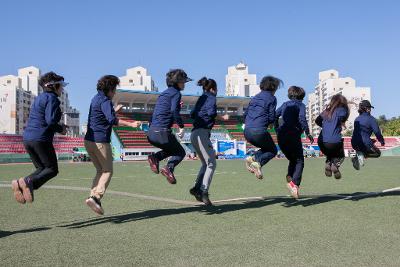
205	199
293	189
360	157
196	193
249	160
288	178
154	163
169	175
95	204
257	170
356	163
336	171
19	197
27	189
328	171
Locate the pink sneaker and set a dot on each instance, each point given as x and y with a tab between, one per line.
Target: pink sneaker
293	189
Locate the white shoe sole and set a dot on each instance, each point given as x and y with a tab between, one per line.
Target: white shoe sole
292	192
93	205
248	165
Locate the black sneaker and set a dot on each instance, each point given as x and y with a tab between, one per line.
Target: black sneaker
328	171
196	193
95	204
205	199
335	170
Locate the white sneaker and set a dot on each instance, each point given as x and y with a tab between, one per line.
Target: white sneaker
249	160
257	170
360	157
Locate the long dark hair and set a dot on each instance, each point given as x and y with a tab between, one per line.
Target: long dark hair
337	101
207	84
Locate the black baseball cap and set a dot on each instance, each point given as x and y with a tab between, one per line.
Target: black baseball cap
365	104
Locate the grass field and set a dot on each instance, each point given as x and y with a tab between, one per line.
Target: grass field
149	222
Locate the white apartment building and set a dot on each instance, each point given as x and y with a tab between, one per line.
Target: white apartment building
329	85
137	78
17	94
239	82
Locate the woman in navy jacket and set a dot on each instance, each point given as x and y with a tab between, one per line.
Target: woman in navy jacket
43	123
330	140
294	123
101	119
364	125
166	112
204	114
258	116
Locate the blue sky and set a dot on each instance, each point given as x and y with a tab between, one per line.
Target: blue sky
294	40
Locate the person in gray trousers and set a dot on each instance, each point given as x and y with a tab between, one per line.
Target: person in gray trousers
204	114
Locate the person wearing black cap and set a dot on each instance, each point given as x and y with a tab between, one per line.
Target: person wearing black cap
364	125
166	112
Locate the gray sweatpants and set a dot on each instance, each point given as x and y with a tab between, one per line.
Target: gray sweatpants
200	139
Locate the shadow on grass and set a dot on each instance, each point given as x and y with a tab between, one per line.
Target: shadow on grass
24	231
224	208
310	201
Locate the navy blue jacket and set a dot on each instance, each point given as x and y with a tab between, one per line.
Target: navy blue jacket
101	119
332	127
43	119
293	114
364	126
261	110
205	111
167	109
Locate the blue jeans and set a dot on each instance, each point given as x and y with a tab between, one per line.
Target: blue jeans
291	146
261	138
165	140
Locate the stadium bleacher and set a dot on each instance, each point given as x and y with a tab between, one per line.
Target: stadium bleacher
13	144
136	138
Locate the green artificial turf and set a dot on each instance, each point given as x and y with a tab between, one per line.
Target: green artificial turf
336	223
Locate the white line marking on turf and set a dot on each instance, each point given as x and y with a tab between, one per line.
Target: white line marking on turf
119	193
344	196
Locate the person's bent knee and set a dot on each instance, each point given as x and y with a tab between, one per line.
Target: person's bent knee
181	153
53	171
212	163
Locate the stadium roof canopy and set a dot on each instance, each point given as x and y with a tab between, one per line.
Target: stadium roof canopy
129	97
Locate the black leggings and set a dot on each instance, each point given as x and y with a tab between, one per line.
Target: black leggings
44	158
372	152
334	152
368	151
